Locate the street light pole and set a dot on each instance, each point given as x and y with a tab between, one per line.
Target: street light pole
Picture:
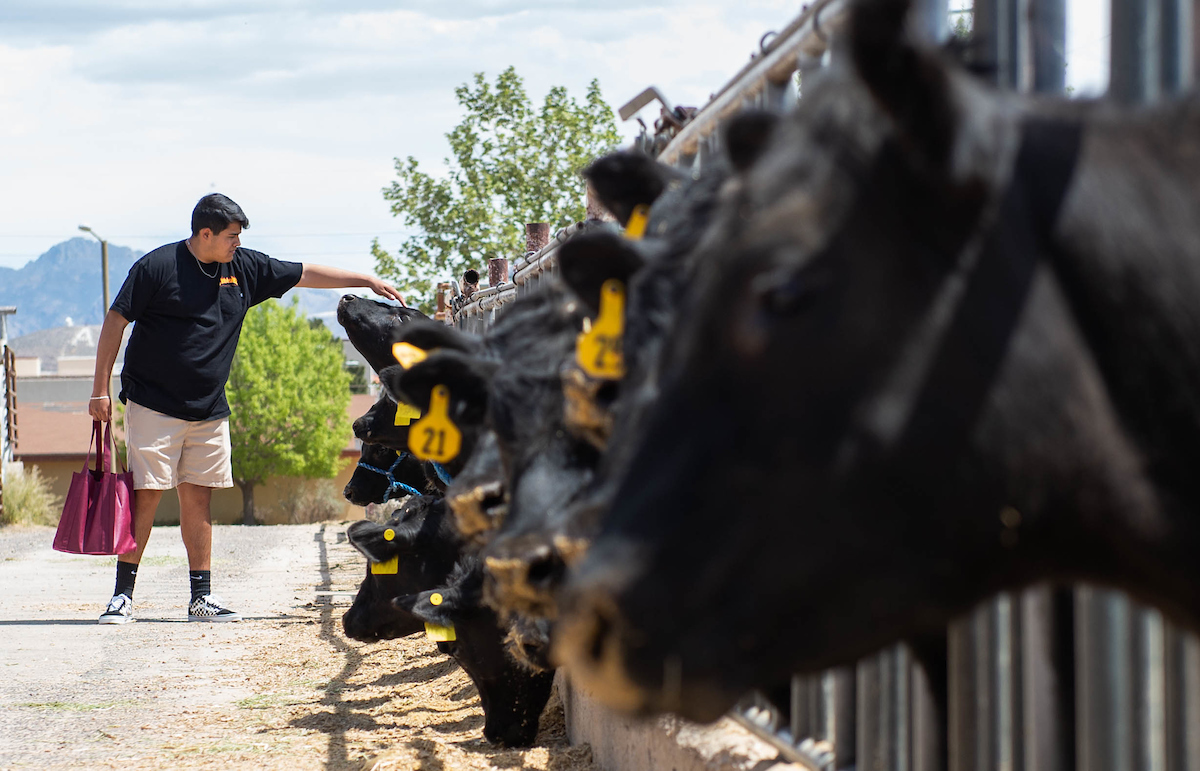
103	266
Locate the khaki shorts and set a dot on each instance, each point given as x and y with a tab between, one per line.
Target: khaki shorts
164	451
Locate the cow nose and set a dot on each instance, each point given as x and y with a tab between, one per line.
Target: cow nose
522	575
480	509
545	567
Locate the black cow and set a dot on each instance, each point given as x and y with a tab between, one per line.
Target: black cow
513	696
416	555
425	548
927	358
371	325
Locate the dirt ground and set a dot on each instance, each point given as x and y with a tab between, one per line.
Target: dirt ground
281	689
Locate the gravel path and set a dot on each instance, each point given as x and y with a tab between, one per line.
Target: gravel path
281	689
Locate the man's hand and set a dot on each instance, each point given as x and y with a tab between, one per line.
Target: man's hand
100	408
384	289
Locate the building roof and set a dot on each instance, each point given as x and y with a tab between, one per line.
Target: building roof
62	430
52	344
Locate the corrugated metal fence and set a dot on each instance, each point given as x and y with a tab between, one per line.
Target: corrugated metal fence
1047	678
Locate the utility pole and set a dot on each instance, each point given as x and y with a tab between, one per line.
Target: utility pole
103	266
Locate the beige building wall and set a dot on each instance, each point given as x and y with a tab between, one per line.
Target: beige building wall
274	500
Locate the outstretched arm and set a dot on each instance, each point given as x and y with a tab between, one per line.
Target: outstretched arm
326	277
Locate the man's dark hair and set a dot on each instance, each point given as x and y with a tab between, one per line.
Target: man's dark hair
217	212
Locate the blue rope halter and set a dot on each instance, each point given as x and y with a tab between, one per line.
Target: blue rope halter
441	472
389	475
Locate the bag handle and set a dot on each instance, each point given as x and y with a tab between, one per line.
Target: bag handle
94	442
105	449
110	448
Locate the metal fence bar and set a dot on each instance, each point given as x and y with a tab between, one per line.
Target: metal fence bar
1000	32
1047	679
884	726
1136	28
1048	38
1178	53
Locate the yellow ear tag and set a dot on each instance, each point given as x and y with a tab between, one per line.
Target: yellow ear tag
389	568
435	437
406	413
389	534
440	633
599	349
435	599
635	228
408	354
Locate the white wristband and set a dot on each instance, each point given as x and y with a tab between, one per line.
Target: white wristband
94	398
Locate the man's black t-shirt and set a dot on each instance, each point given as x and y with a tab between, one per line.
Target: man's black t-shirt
187	324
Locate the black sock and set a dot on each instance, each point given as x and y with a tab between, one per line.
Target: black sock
201	583
126	575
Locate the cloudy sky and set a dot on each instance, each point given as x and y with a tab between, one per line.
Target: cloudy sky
122	113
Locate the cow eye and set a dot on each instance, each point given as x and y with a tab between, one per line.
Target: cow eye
786	293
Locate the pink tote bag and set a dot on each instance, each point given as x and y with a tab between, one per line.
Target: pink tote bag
98	515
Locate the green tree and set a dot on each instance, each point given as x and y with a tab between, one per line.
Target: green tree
288	391
511	164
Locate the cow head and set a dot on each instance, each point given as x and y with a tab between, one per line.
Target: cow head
371	325
368	485
415	550
512	696
378	426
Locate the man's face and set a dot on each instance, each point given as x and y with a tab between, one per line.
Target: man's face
219	247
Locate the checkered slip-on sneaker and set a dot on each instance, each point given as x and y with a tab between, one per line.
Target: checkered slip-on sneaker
209	608
119	610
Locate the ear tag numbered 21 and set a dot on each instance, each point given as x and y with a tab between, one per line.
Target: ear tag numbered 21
635	228
406	413
599	349
440	633
435	437
388	568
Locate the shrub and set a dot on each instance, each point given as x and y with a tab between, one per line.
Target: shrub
28	499
314	502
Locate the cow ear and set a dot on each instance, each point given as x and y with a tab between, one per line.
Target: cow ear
380	543
429	335
589	259
369	538
747	135
461	594
466	376
911	83
437	606
625	180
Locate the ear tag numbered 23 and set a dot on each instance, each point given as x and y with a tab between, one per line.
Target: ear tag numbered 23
635	228
388	568
599	349
407	354
406	413
435	437
440	633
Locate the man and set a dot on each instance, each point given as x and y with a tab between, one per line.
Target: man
188	300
